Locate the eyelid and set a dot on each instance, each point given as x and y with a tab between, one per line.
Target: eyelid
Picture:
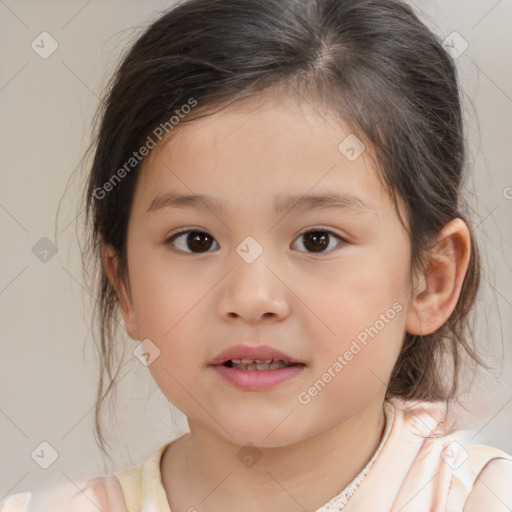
322	228
181	231
306	230
325	229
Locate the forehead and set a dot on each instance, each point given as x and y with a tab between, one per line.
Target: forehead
263	144
260	116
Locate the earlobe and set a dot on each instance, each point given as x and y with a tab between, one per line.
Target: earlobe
437	290
110	264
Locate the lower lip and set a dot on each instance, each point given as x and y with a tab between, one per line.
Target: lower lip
257	380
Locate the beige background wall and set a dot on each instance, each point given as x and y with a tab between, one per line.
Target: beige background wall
47	372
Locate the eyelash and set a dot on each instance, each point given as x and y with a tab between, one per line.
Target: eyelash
173	237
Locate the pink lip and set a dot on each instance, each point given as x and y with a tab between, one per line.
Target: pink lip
255	380
261	352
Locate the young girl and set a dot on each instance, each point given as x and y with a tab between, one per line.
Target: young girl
274	200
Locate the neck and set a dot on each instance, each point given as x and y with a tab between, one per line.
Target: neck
202	467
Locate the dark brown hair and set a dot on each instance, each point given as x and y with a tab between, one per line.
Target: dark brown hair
373	63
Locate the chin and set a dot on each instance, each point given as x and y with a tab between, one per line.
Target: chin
260	434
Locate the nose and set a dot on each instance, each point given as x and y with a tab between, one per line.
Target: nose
254	293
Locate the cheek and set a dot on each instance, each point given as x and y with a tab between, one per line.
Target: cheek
351	300
351	372
168	308
164	295
365	358
363	314
182	354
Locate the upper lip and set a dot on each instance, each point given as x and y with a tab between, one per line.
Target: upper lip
260	352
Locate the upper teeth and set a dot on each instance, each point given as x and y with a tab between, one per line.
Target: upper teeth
258	364
248	361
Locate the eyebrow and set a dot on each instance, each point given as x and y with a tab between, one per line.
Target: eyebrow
282	204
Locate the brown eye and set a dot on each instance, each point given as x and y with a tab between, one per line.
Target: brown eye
192	241
317	241
314	241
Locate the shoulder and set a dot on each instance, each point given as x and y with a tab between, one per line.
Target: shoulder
492	490
15	502
102	493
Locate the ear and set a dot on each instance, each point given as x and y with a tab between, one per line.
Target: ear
437	290
110	264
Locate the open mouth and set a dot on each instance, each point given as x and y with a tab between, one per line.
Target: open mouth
249	374
258	364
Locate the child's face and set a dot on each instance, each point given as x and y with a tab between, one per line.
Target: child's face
341	311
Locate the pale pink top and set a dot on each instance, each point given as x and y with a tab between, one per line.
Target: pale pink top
414	469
